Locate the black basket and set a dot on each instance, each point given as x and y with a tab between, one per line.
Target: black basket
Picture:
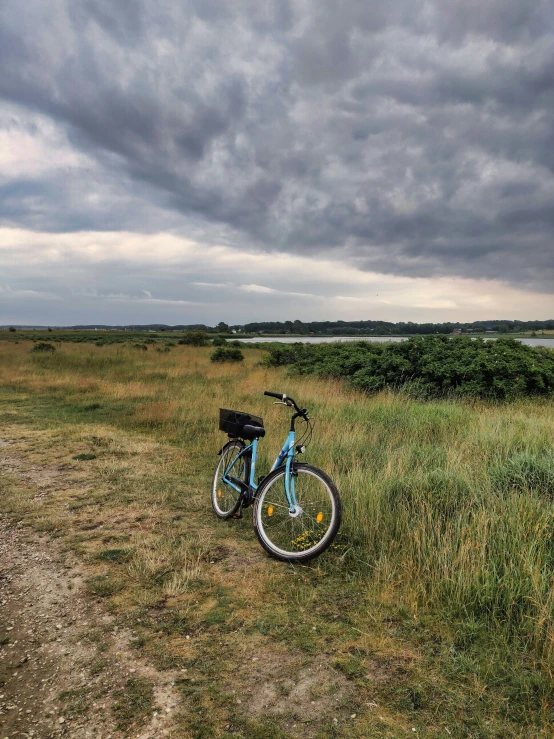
233	422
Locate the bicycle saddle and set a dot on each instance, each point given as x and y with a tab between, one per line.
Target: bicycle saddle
252	432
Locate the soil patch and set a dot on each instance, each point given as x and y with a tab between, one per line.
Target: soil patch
62	658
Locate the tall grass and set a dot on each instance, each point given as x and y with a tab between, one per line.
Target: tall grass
447	505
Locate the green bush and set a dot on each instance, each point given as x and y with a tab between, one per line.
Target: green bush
143	347
428	367
43	347
194	338
223	354
219	341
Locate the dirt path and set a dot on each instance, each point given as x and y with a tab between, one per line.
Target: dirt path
66	669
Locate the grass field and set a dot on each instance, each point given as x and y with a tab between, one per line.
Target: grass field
433	613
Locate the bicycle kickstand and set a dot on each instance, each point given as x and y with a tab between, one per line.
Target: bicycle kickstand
238	514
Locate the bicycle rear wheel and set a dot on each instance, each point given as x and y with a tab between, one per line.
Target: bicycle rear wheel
225	499
305	533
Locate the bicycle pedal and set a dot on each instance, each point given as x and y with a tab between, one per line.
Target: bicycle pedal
238	514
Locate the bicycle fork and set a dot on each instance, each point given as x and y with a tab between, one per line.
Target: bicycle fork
288	452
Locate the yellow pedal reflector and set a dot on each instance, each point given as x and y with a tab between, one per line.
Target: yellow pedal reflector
270	510
219	493
319	517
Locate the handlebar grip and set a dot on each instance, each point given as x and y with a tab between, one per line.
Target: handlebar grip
279	396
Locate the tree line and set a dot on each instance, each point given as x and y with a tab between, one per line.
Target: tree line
402	328
335	328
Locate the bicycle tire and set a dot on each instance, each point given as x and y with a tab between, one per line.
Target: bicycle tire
302	537
226	500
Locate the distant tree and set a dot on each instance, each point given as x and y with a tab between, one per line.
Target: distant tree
222	327
49	330
12	329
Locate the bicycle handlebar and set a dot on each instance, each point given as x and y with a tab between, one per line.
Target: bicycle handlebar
288	401
279	396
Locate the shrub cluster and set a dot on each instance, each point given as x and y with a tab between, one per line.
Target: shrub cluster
194	338
431	366
226	354
43	348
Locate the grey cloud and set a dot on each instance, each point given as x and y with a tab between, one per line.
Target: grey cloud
409	137
123	20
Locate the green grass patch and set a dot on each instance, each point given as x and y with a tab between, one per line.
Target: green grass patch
115	555
526	472
134	704
104	586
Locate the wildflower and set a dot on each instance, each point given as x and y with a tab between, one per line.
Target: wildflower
415	346
517	378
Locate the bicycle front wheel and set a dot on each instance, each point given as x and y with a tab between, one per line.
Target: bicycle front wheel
306	532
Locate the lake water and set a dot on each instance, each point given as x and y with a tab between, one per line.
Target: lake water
326	339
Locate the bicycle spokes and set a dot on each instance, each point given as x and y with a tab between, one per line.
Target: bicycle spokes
304	525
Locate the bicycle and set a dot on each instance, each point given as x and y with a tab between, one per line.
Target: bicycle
297	509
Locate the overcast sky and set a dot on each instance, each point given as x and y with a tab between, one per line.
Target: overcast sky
203	160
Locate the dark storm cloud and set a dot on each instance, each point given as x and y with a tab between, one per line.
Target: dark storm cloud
409	137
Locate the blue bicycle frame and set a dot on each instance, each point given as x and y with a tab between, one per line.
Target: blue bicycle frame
250	454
